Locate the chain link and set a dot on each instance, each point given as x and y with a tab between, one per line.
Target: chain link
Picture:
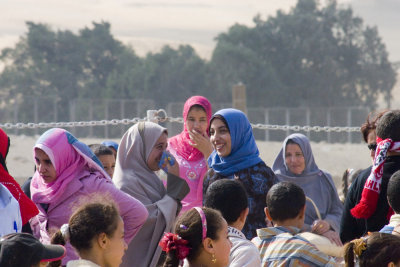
164	118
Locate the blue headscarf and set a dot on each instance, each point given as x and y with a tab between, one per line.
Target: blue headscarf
244	151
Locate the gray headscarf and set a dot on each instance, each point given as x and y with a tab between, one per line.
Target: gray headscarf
133	176
317	184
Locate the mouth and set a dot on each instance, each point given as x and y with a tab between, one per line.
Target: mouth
219	146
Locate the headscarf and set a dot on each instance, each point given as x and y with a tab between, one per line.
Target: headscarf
372	187
310	179
180	142
131	170
69	158
244	151
27	207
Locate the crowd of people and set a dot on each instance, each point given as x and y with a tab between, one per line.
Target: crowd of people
201	198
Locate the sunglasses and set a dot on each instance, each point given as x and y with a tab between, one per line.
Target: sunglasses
372	146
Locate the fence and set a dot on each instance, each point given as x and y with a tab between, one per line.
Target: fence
270	124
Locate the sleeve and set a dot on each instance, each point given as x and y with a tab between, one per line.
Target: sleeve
132	211
336	207
348	223
245	256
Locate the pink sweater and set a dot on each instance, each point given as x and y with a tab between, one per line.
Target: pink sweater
132	211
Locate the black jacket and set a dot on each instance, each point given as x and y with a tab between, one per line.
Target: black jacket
350	227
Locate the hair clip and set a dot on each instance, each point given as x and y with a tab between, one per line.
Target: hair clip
184	227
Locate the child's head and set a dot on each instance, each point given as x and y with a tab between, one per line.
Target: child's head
112	145
393	192
24	250
96	228
285	201
388	126
230	198
106	156
377	249
207	245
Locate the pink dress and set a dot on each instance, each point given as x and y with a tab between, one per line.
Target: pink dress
193	172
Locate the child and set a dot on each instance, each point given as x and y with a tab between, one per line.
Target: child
280	245
201	238
111	145
230	198
393	196
378	250
106	156
96	231
24	250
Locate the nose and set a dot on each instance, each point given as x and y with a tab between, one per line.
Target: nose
40	167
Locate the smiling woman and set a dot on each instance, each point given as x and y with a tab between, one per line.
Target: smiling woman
236	156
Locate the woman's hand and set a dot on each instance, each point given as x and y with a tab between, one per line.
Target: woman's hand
333	237
201	142
319	227
174	169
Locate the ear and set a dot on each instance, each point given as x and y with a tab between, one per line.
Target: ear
302	213
102	240
208	245
267	214
243	215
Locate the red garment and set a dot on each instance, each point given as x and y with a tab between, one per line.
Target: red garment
180	142
27	207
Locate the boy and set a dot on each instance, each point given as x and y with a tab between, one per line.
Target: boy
230	198
393	197
280	245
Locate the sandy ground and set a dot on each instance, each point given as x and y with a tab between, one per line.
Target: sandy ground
333	158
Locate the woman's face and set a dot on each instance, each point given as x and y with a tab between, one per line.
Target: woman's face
220	137
116	248
222	246
197	120
44	166
156	153
108	162
294	159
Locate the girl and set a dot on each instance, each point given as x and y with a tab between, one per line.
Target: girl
66	170
192	147
201	236
96	231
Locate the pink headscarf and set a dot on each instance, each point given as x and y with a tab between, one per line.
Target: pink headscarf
180	142
69	157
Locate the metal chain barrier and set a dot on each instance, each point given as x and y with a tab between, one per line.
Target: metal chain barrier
161	116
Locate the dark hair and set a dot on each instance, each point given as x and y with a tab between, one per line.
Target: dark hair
227	196
291	141
285	201
101	150
380	250
370	124
389	125
393	192
89	221
220	117
189	227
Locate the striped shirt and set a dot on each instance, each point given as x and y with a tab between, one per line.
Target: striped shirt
281	246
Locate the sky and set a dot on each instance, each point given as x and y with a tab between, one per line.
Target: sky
147	25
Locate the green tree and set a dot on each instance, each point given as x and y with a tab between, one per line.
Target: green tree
312	55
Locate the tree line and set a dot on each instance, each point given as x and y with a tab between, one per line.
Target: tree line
313	55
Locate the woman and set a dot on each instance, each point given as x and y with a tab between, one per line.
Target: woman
236	156
139	154
96	231
27	208
295	163
377	250
201	237
192	147
67	170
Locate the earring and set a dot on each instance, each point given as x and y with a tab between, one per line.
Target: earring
214	260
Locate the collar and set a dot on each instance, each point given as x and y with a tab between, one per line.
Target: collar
394	220
273	231
233	232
